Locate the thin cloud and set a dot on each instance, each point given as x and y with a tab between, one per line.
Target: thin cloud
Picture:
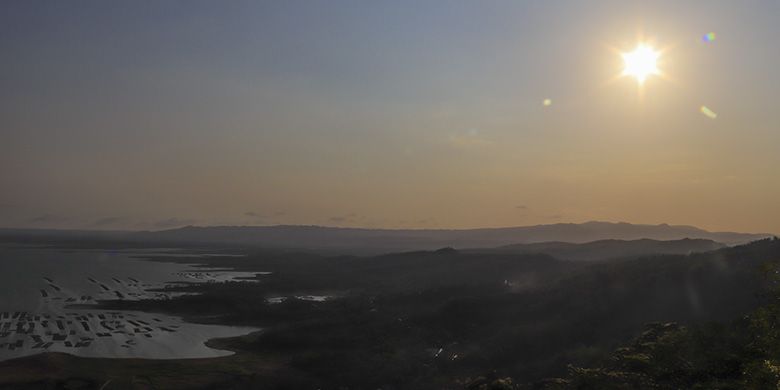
49	218
173	222
108	221
254	214
346	218
469	139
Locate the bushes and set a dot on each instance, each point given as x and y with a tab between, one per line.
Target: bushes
742	354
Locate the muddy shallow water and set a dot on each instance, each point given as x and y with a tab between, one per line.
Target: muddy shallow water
39	286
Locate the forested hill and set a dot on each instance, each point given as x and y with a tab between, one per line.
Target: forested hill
357	240
610	249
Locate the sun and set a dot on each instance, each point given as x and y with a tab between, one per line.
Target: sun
641	63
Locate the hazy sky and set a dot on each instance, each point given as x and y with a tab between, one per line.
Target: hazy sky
154	114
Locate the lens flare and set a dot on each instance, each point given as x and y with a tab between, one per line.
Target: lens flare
708	113
708	37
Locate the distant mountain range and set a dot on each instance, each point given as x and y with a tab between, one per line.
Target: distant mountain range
319	237
609	249
359	240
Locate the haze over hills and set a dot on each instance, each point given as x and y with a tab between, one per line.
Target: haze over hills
610	249
363	240
378	240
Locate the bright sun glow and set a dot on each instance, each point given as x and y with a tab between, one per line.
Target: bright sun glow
641	62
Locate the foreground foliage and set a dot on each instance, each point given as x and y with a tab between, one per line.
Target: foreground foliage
742	354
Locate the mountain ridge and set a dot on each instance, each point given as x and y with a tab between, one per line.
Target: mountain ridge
322	237
609	248
366	240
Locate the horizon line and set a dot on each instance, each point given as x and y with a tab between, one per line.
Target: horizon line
162	229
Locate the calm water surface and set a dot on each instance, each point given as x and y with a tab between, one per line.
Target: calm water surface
37	285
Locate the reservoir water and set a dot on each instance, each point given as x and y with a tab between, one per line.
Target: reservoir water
40	286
